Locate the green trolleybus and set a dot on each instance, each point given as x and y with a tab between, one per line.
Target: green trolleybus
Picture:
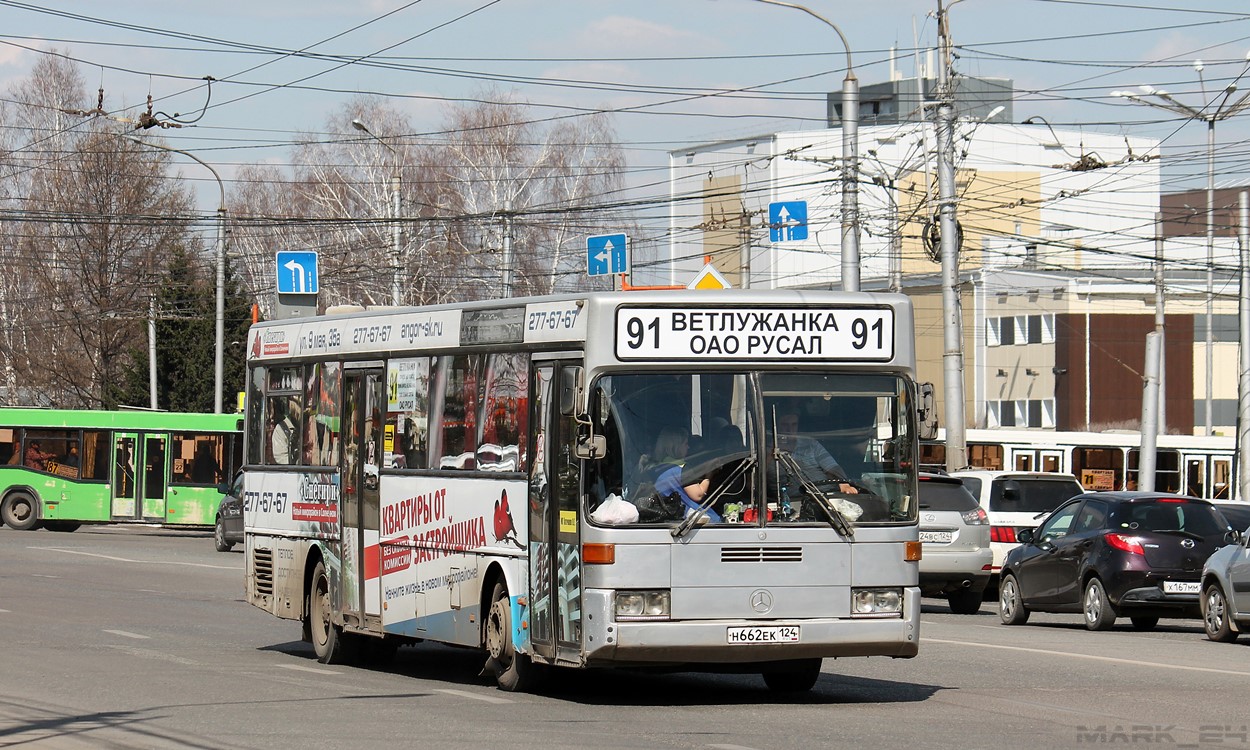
62	468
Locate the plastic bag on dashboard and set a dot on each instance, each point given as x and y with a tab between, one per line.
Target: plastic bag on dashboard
614	511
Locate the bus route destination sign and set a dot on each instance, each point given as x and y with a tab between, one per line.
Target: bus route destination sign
755	333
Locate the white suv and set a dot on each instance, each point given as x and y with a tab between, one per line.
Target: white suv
1016	500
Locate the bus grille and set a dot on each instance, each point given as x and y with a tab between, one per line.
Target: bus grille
760	554
262	571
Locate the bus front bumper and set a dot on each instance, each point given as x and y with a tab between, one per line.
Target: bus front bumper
707	641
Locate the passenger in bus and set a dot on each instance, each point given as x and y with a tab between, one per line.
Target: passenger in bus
808	452
35	457
688	486
204	469
71	455
671	447
284	441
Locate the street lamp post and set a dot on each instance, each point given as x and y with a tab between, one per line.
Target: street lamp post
850	156
396	211
221	268
1211	112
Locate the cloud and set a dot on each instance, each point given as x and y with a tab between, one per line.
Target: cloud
640	37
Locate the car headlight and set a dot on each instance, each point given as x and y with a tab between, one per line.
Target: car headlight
642	605
876	602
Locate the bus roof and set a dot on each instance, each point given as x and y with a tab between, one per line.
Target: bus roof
118	420
808	325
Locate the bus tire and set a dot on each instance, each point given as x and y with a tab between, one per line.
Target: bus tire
18	511
62	526
793	677
514	671
330	643
219	537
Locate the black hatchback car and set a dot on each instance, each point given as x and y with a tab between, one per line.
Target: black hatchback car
228	528
1107	554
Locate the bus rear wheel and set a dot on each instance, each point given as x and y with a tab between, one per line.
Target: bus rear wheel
513	671
18	511
793	677
330	643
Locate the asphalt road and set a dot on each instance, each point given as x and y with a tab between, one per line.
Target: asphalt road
140	638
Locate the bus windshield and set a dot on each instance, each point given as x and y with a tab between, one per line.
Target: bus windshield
753	448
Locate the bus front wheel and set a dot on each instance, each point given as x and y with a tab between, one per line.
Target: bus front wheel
513	671
18	512
330	643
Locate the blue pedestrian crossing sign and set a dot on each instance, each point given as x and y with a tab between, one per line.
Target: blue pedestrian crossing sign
607	254
297	272
787	221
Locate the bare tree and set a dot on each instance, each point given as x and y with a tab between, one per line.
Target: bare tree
501	172
94	224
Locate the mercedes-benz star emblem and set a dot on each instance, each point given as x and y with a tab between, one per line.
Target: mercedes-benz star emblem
1187	543
761	600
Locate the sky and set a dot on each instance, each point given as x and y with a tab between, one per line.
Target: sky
673	73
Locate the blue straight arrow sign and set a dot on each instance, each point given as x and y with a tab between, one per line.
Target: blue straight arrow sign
787	221
607	254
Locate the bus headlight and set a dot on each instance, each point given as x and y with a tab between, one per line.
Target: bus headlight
876	601
642	605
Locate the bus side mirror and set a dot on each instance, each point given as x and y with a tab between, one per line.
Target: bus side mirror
591	447
926	411
570	390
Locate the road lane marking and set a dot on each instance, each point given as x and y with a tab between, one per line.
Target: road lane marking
1091	657
42	575
476	696
126	559
128	634
314	670
732	747
4	610
147	653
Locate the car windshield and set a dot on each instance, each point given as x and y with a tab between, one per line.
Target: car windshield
936	494
1031	495
752	448
1169	515
1238	516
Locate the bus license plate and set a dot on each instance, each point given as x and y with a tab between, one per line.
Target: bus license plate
1182	587
777	634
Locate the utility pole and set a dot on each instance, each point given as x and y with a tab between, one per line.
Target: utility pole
1160	321
952	314
1149	417
850	155
507	248
220	316
1210	113
1243	375
397	231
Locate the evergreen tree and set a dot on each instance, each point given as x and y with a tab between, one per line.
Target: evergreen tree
186	339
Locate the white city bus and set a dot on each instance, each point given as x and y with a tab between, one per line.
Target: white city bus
592	480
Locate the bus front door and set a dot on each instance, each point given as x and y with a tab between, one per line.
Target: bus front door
139	479
555	539
360	587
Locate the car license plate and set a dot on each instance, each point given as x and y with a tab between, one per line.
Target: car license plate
776	634
936	537
1182	587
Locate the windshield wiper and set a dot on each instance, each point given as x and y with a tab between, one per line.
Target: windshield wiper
836	518
694	515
